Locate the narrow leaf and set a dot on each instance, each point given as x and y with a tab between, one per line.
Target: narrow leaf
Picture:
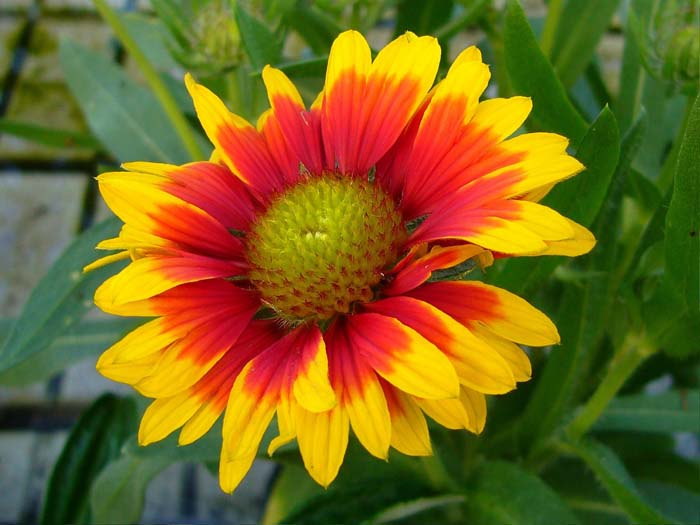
94	441
500	493
422	17
60	299
51	137
673	411
581	27
262	45
683	218
125	117
119	492
532	75
613	475
87	338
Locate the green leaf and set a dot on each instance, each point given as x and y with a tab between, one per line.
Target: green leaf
581	26
417	507
87	338
52	137
683	218
632	74
503	493
586	497
673	411
60	299
365	485
613	475
653	456
312	67
465	18
421	17
676	502
262	45
94	441
317	28
118	494
532	75
152	38
125	117
578	198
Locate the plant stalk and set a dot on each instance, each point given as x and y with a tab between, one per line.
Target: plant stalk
635	349
167	101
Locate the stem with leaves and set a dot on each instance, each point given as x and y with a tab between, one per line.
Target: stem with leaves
166	99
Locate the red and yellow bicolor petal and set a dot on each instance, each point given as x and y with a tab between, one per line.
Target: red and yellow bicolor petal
419	270
402	356
367	104
238	143
449	112
409	430
505	314
144	204
150	276
478	366
197	408
295	363
284	157
213	310
512	227
360	393
301	128
207	185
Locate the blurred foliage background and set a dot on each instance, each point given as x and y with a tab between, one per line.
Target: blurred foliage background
607	430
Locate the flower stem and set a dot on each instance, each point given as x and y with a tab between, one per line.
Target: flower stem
634	351
166	99
551	23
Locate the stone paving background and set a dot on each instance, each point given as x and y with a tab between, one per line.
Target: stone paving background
46	196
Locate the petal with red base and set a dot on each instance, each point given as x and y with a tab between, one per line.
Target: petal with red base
506	226
214	387
500	311
361	395
207	185
256	391
402	356
185	362
409	430
367	105
286	160
477	365
439	258
301	128
153	275
449	112
238	143
144	205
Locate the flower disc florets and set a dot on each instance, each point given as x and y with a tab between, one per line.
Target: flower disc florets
322	244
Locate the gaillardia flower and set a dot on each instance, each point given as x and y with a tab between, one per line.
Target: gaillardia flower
290	276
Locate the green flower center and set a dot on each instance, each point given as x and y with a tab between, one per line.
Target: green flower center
322	245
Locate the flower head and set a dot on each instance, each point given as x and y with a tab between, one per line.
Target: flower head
289	277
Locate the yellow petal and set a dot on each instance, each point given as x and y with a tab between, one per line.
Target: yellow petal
165	415
323	439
